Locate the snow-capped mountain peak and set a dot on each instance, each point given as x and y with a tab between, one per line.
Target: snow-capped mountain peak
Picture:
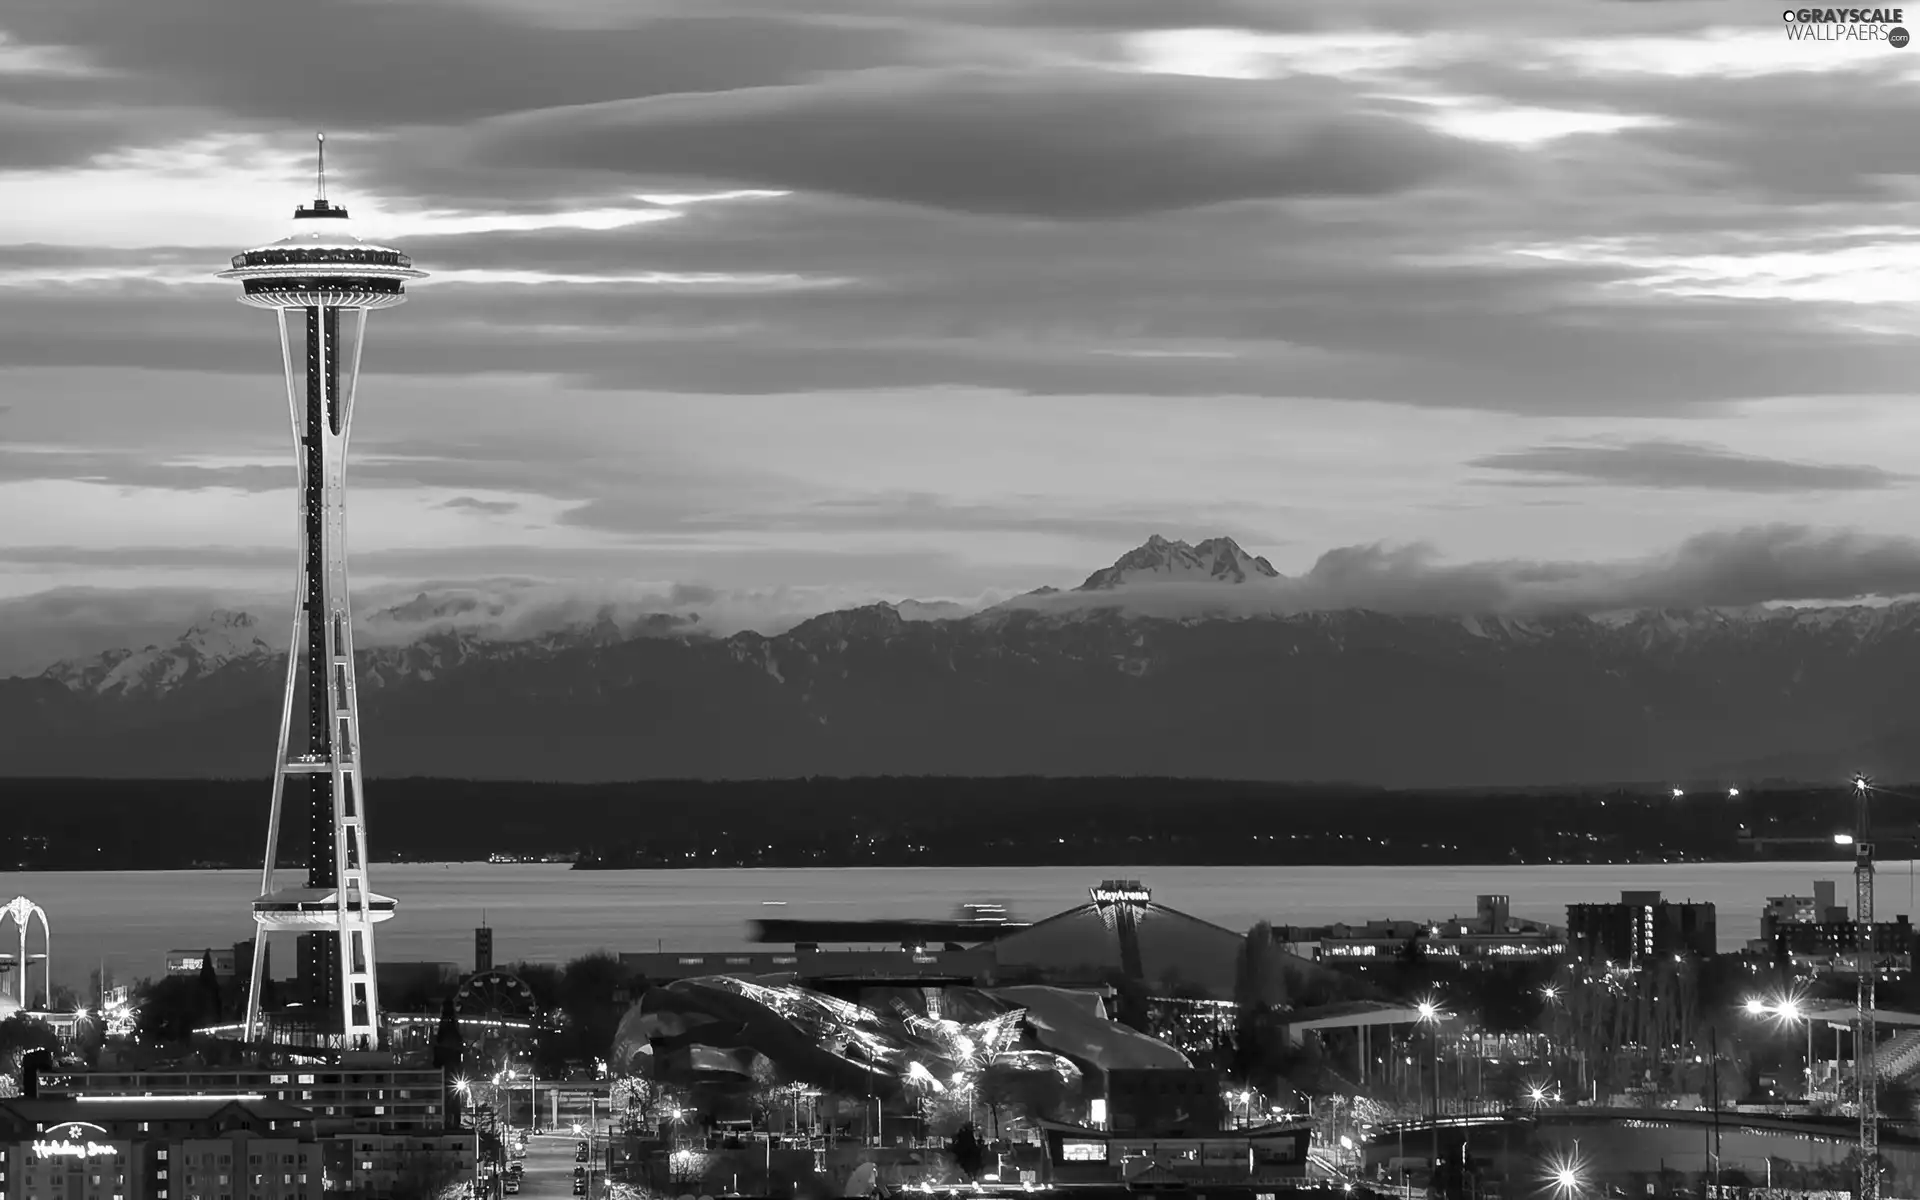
224	637
1216	560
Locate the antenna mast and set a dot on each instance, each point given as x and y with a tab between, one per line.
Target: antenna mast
320	180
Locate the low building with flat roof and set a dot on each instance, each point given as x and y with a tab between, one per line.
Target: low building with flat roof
373	1097
1492	934
809	963
158	1148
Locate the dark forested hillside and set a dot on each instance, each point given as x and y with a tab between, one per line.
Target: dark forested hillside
120	824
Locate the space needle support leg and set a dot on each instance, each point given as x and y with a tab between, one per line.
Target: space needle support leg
353	323
46	964
343	330
294	648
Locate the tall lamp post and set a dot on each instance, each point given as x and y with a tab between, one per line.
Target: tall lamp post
1789	1012
465	1090
1431	1016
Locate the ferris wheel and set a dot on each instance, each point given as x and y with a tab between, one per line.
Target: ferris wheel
496	997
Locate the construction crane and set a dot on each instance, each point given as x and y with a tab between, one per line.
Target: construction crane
1865	1057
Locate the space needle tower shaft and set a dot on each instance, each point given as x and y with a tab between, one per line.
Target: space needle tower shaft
321	282
1866	1065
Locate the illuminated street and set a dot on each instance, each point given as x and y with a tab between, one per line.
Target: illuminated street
549	1168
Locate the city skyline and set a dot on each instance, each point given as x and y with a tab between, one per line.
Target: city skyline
958	299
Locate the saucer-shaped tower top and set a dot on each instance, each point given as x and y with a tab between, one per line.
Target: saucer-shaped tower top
321	264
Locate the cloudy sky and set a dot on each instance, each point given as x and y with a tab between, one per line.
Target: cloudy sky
940	298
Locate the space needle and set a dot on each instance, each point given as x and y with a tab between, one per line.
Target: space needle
321	282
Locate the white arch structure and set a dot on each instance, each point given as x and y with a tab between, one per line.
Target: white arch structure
21	911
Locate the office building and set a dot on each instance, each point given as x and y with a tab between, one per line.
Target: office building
1816	935
1640	928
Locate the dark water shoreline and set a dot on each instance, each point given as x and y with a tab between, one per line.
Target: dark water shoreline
91	824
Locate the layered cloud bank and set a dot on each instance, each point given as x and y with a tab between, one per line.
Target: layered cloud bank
827	303
1736	569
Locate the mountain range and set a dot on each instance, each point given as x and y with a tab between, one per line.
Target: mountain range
1050	683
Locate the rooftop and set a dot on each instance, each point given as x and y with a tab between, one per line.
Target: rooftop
61	1109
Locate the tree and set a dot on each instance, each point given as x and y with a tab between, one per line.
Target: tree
969	1153
99	983
449	1047
449	1054
1031	1094
423	1180
170	1009
639	1100
21	1035
210	989
1260	974
542	979
90	1038
592	994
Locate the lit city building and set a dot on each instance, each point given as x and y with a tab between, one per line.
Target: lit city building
321	282
371	1097
372	1164
192	962
1639	927
158	1148
1817	936
1803	910
1491	933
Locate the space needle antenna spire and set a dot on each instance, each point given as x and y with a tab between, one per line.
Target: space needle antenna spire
320	171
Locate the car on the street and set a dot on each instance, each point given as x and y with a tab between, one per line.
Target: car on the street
513	1185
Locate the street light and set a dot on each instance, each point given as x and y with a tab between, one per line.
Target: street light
1789	1011
1565	1173
1430	1014
465	1090
1733	793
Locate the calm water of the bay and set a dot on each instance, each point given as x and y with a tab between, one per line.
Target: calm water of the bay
545	912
